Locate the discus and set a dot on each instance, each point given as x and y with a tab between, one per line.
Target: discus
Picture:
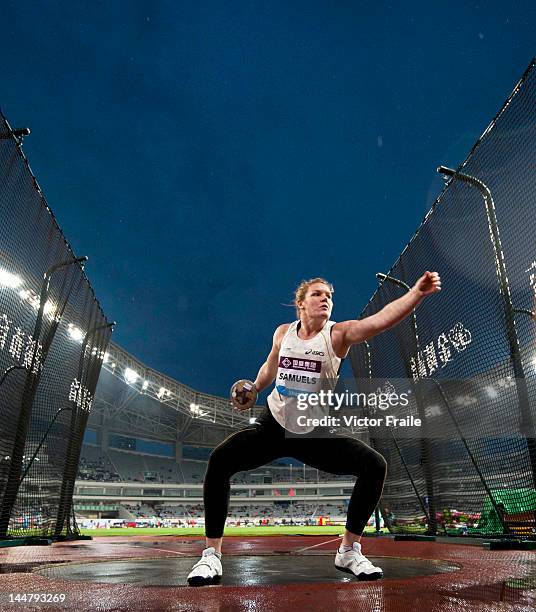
243	394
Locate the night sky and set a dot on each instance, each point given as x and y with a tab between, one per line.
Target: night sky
207	158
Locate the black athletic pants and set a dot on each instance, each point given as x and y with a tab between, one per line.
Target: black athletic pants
265	441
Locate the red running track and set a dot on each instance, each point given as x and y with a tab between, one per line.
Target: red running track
486	580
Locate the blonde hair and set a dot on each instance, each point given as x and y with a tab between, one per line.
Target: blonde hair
302	288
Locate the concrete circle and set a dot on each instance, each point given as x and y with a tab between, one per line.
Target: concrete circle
243	570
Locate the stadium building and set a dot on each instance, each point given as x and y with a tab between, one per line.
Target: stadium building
145	452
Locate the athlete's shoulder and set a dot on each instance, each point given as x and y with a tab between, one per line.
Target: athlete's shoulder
279	334
282	329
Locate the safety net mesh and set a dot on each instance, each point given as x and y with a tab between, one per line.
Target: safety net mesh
467	357
53	335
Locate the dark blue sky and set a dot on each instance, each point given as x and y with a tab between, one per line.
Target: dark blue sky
207	158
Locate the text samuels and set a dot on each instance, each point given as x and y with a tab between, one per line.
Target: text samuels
300	378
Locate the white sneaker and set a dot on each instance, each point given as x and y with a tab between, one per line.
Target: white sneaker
354	562
207	570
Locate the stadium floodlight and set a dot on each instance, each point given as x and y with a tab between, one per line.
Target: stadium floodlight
75	332
196	410
131	376
49	307
9	280
491	392
29	296
145	384
106	357
252	420
161	392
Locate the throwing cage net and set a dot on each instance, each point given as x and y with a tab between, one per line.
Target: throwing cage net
467	357
53	335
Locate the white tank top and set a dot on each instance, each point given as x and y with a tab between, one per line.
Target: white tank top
305	366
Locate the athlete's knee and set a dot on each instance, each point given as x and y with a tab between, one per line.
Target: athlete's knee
223	462
218	463
372	465
378	464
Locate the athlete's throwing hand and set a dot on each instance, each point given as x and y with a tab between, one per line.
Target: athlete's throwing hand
429	283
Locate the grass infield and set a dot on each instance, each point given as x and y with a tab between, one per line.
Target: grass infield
327	530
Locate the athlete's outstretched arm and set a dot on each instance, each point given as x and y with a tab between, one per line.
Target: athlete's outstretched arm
347	333
268	370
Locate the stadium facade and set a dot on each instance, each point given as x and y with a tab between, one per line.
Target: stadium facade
146	446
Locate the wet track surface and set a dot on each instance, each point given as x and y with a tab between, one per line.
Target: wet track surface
238	570
268	574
